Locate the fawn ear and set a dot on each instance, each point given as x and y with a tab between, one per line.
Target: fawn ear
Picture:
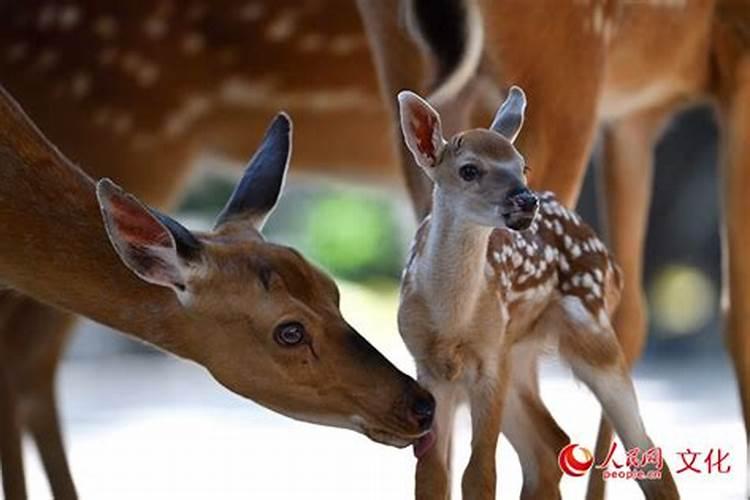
421	127
509	118
257	193
154	246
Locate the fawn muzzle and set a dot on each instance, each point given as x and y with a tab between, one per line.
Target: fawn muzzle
521	208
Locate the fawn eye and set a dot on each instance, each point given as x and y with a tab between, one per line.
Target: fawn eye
289	334
469	172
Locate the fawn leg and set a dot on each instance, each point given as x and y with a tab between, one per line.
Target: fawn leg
626	193
594	353
530	427
432	480
486	399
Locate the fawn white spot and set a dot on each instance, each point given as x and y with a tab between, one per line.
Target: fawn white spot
529	250
497	257
576	280
558	228
565	287
598	275
567	241
585	246
587	280
563	262
575	251
517	259
549	254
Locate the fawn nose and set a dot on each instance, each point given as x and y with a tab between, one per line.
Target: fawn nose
524	199
423	410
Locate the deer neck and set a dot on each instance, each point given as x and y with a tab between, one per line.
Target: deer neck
54	247
452	271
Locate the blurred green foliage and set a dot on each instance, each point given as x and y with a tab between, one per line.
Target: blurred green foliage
355	237
350	232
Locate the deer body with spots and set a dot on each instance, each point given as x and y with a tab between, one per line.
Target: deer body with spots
263	321
490	285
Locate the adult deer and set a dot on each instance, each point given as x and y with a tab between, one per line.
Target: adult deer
498	275
624	67
136	91
263	321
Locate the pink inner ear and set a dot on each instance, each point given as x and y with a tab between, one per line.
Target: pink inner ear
424	126
135	225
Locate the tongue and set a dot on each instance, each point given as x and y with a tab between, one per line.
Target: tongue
423	444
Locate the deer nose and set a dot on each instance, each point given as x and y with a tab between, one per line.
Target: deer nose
423	410
524	199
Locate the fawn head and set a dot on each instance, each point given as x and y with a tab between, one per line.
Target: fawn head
478	172
258	316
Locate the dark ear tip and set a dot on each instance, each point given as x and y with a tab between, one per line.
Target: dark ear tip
282	123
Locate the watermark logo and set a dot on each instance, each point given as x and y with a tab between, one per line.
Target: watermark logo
573	465
640	464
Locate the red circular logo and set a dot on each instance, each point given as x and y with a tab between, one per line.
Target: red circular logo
571	465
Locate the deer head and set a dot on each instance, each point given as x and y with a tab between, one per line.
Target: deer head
265	322
479	170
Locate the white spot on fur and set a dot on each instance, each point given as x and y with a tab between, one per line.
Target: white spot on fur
193	43
282	28
575	251
68	17
80	85
252	11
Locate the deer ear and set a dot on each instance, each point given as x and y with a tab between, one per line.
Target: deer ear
257	193
154	246
509	118
421	127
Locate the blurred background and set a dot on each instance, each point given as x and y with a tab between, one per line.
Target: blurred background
142	424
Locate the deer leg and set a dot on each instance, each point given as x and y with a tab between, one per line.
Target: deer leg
432	479
486	399
11	453
39	335
735	114
594	353
399	66
531	429
625	194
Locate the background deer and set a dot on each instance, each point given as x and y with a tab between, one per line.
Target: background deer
621	67
490	282
263	321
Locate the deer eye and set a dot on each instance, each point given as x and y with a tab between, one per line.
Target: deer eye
289	334
469	172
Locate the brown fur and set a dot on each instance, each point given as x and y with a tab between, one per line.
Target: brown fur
54	248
